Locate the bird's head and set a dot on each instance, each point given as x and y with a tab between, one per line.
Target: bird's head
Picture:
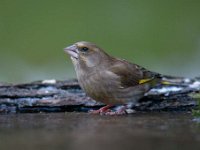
86	53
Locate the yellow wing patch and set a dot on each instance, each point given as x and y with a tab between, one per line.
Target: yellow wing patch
166	83
144	80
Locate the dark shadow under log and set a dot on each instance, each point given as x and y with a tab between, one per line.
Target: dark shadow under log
67	96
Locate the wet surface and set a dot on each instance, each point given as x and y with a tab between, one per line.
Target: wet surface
71	131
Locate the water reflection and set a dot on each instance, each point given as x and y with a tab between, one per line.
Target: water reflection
84	131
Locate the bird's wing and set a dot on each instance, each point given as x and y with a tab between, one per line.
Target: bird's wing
131	74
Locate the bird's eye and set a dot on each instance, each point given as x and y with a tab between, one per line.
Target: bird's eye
84	49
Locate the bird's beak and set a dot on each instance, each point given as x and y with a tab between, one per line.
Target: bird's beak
72	51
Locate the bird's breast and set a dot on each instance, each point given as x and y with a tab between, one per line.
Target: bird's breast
99	85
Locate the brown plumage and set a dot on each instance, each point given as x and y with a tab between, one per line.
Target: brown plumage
107	79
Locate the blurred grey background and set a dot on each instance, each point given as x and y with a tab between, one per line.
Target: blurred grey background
161	35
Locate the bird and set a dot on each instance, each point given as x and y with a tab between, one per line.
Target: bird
112	81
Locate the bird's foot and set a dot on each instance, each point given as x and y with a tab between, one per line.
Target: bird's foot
119	111
116	111
102	110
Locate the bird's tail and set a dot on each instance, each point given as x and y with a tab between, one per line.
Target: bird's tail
172	80
172	85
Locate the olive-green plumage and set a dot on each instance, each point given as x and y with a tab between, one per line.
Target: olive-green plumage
107	79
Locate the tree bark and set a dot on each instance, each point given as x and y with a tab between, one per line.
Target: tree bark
67	96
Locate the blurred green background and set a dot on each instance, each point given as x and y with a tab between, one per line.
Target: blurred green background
161	35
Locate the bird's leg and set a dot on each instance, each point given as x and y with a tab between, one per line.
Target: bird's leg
102	110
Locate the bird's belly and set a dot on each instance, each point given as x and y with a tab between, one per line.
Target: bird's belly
105	90
96	89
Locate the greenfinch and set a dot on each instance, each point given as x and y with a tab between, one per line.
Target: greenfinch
110	80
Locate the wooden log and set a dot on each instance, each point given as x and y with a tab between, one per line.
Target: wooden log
67	96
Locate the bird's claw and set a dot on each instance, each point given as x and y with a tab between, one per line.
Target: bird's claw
106	111
116	113
102	110
99	111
